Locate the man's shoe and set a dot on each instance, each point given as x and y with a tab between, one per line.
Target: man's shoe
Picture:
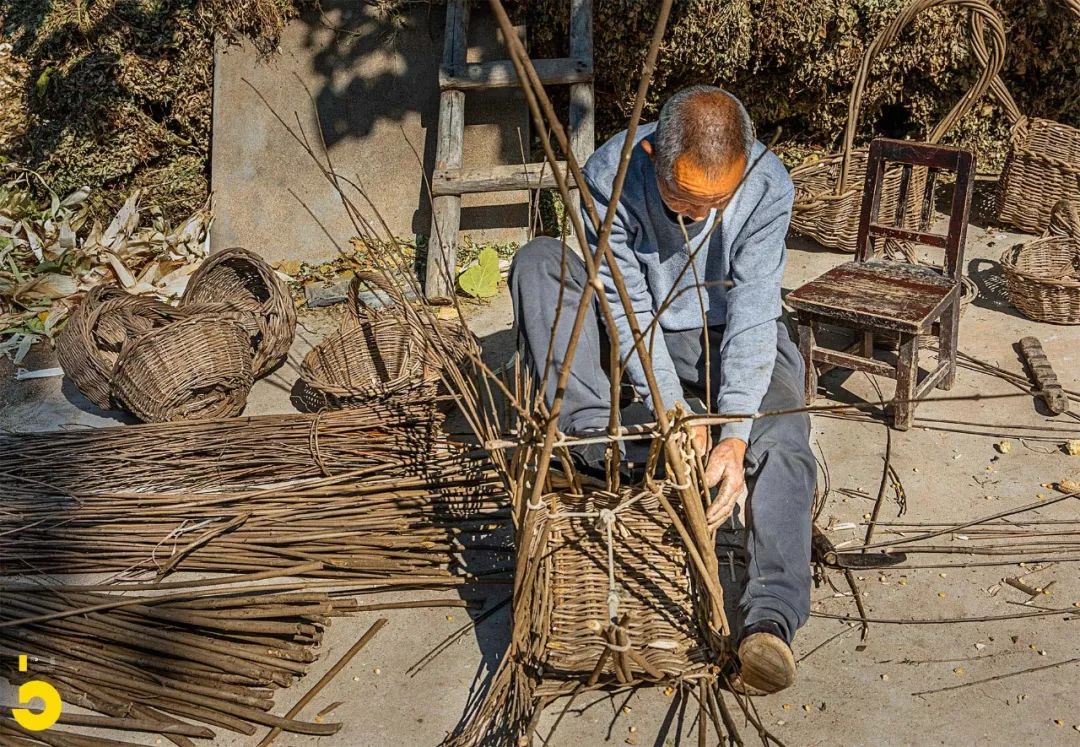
766	662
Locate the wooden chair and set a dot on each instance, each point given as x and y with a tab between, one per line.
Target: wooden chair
874	296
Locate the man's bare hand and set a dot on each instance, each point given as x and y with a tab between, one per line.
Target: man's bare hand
725	468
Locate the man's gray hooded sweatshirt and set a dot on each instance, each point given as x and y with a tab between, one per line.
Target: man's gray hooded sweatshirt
736	277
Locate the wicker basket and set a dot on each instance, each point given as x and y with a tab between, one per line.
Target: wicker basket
1043	163
1042	278
656	592
382	352
365	360
197	368
95	333
828	192
242	280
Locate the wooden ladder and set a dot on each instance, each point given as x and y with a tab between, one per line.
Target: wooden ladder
449	180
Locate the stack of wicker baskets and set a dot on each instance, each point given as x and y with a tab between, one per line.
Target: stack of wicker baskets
198	360
380	353
1042	277
828	191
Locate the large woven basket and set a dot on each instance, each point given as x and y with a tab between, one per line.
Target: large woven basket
197	368
90	342
828	192
1043	163
242	280
656	593
1042	277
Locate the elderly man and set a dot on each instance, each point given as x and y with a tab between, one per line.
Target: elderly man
699	228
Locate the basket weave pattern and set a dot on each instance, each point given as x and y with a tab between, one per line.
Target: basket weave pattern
242	280
656	593
376	353
1043	166
197	368
1042	278
90	343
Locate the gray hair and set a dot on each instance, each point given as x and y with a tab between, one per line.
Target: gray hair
708	122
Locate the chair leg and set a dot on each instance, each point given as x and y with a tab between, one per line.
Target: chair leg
868	344
907	378
806	349
947	344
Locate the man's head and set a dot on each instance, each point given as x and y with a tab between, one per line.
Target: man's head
700	149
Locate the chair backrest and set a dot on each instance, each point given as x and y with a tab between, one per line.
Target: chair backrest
910	155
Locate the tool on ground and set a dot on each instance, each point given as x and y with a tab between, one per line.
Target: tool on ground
1041	373
822	550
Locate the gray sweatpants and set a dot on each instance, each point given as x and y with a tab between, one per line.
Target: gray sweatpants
780	468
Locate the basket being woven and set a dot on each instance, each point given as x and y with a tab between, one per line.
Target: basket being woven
242	280
828	192
197	368
90	343
655	592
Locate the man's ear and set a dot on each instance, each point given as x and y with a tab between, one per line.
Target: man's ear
647	147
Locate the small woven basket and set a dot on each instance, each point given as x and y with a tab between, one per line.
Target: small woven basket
1042	277
91	341
196	368
1043	163
828	192
244	282
379	352
363	361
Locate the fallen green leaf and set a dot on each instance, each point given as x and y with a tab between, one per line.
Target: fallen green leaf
481	280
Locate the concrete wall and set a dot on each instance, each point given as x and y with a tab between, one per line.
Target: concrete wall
375	88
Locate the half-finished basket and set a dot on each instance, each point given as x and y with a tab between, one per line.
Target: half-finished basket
90	343
194	369
242	280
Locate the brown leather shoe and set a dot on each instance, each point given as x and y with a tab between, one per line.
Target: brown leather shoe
767	664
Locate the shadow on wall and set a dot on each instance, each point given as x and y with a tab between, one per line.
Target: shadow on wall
375	68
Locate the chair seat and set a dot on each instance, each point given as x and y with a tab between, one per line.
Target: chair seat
885	295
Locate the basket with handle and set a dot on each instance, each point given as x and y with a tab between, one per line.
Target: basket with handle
1043	162
91	341
1042	277
243	281
197	368
381	352
828	192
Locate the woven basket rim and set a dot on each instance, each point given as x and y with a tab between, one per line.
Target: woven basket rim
316	378
1011	256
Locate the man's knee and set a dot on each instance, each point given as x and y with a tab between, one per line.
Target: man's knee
540	258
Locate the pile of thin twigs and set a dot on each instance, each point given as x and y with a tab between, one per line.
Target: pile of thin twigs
363	494
174	662
225	454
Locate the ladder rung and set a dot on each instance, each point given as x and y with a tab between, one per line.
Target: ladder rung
501	73
495	179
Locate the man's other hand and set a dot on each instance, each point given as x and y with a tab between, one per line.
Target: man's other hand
725	468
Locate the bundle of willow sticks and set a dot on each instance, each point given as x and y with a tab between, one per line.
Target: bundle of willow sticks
173	664
223	454
364	494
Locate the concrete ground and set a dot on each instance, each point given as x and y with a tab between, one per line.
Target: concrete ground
844	695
